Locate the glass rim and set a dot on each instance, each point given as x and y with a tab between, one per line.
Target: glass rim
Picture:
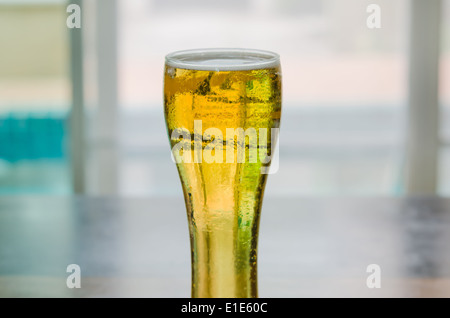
238	59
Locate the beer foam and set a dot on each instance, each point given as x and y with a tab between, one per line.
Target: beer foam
223	59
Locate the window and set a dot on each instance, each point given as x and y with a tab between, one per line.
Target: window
344	94
444	85
34	97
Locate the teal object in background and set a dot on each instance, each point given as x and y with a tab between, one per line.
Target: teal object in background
31	136
34	154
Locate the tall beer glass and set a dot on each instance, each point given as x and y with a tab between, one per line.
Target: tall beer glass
222	109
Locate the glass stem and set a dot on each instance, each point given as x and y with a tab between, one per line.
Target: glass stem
224	262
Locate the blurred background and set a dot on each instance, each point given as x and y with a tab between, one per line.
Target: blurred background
81	109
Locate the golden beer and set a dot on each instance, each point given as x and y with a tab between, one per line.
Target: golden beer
221	108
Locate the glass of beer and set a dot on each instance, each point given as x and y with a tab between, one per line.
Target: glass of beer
222	109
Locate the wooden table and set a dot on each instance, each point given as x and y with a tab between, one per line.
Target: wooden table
139	247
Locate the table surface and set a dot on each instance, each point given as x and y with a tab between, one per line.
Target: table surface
139	247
